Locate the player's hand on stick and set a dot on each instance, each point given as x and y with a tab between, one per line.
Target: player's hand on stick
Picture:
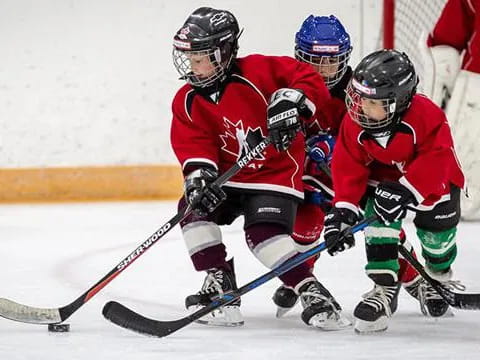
336	221
201	193
283	116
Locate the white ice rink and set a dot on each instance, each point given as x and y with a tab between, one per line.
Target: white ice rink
53	253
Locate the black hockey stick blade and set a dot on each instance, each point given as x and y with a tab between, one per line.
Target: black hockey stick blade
464	301
129	319
126	318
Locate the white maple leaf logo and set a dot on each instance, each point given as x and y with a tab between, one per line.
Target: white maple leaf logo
230	141
237	142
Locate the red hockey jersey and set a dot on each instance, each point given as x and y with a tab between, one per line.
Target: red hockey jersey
420	155
326	121
329	117
459	27
219	132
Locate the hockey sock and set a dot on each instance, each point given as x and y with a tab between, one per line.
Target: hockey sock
438	248
204	244
382	249
272	246
307	229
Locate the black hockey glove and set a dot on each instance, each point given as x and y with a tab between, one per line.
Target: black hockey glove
336	221
391	201
283	116
201	193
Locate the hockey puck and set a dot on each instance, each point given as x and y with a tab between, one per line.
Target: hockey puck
59	327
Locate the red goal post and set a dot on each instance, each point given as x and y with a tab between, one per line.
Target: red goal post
406	24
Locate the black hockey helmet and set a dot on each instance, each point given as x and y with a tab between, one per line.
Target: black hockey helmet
206	34
385	75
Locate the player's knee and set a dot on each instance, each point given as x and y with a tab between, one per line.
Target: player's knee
270	243
442	217
308	226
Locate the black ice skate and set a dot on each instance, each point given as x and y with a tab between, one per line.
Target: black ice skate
377	306
285	298
217	282
431	303
321	310
420	290
412	287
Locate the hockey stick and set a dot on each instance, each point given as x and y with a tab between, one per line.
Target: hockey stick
129	319
454	299
28	314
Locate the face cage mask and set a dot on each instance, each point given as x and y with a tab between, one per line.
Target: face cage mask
353	101
340	60
181	60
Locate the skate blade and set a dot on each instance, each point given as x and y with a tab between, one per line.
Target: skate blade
228	316
281	311
332	323
363	327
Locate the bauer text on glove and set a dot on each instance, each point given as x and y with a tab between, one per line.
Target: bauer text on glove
391	201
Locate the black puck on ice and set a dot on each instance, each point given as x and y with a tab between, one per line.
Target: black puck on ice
59	327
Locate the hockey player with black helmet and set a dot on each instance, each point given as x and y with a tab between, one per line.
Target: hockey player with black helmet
324	43
399	141
217	117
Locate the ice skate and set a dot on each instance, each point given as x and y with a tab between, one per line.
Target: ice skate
376	308
431	303
321	310
217	282
412	287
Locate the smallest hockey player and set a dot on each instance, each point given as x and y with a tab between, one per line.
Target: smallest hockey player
400	141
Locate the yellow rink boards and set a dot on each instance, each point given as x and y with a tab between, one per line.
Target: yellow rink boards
90	183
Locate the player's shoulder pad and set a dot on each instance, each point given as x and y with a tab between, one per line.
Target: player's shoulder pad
423	114
183	99
265	59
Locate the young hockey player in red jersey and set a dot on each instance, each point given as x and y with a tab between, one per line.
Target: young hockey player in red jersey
218	116
397	140
323	42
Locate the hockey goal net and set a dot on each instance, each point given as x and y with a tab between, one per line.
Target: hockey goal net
406	25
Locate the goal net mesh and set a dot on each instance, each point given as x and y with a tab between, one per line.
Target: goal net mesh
410	23
413	20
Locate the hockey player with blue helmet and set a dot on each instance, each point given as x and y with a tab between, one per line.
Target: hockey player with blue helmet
323	42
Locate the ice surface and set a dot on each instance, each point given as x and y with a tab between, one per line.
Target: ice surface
53	253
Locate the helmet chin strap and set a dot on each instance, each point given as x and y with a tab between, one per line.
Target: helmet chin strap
382	134
392	107
217	53
389	129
